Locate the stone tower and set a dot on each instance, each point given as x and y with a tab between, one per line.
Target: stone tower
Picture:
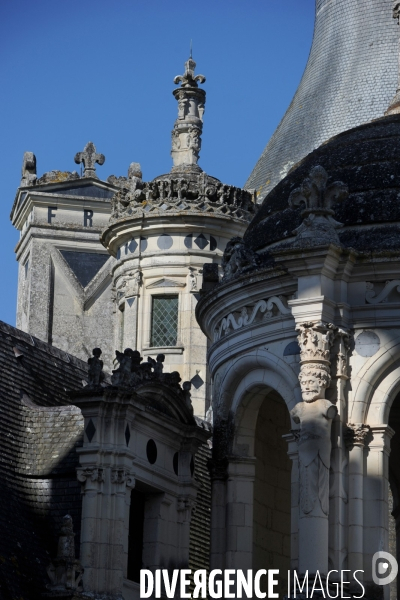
350	79
64	280
161	233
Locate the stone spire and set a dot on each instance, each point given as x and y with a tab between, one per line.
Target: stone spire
394	107
89	157
186	134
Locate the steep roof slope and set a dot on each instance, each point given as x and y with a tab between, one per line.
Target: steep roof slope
350	79
38	436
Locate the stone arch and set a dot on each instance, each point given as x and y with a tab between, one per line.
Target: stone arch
244	387
254	390
376	385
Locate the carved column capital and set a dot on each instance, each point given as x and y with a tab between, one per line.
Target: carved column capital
123	477
356	434
89	474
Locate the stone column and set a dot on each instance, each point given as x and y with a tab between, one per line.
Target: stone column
218	475
315	416
376	491
104	492
293	453
338	496
355	436
239	517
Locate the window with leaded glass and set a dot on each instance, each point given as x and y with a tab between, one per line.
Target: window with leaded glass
164	321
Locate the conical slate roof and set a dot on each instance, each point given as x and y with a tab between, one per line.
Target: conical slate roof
350	79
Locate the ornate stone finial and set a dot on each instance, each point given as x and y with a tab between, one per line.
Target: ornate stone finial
394	107
29	176
319	226
65	572
95	373
186	134
89	157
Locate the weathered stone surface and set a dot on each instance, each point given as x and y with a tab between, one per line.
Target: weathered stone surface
366	160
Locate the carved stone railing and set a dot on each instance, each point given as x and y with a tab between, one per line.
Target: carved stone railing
262	310
198	193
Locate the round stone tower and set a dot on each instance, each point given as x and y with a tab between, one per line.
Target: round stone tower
162	232
350	79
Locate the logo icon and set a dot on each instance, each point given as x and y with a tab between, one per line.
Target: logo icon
384	568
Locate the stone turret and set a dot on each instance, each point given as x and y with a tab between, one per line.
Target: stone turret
162	232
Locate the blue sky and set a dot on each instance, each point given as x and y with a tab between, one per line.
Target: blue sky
103	71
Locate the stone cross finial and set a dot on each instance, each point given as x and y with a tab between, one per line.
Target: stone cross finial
89	157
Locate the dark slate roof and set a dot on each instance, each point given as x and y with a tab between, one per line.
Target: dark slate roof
38	436
350	79
200	525
367	160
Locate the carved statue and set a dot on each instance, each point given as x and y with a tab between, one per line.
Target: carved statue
187	386
65	572
237	257
315	415
129	361
157	364
29	176
95	373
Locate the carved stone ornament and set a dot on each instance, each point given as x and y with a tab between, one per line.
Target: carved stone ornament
372	298
89	157
251	313
29	176
315	415
95	373
93	474
65	571
238	258
356	434
121	476
172	193
319	226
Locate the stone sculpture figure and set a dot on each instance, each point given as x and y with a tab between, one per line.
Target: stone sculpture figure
129	361
29	175
315	415
237	257
95	373
65	572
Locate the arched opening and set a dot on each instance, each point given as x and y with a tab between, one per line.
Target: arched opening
394	491
272	503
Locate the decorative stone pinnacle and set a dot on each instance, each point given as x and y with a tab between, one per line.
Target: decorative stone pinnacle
186	135
89	157
188	79
318	226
